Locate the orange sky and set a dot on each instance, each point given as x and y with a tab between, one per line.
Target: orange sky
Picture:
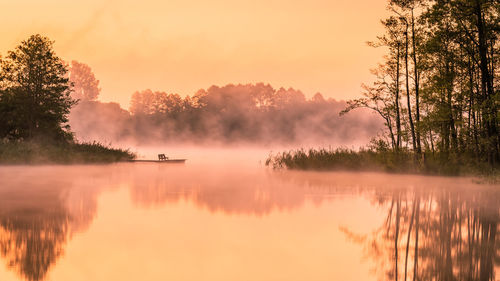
183	45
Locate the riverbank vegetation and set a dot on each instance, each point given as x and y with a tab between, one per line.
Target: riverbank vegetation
437	91
29	152
379	159
35	100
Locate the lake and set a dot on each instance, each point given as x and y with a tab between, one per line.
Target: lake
234	219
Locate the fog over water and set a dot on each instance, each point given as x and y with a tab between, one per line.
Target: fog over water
234	114
224	216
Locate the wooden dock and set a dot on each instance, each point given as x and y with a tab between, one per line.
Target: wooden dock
168	161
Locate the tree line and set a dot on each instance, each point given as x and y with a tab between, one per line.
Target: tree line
41	96
437	88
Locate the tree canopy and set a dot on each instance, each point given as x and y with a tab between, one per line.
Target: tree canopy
85	85
34	92
438	88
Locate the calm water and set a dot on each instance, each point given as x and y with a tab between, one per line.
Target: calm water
236	220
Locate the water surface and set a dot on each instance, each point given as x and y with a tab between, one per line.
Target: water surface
236	220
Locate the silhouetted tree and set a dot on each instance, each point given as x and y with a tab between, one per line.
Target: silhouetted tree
450	51
34	92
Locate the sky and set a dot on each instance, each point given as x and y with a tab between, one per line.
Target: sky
181	46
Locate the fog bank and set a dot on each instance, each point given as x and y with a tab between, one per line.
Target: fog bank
254	114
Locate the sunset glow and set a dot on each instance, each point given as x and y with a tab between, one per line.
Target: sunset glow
182	46
263	140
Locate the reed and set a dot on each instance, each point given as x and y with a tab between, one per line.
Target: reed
379	159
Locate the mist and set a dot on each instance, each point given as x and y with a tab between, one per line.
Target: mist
252	114
100	210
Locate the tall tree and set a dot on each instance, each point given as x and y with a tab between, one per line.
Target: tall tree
36	89
416	74
451	56
488	92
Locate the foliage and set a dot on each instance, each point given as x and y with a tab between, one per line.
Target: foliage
34	103
34	92
85	85
378	156
446	54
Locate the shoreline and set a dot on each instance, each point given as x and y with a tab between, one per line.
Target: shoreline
368	160
39	153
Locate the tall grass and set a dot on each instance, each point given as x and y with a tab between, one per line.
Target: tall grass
378	159
61	153
335	159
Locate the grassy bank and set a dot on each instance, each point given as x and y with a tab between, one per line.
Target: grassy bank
66	153
367	159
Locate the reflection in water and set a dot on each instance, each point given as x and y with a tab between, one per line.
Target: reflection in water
33	229
243	192
40	209
31	243
434	228
447	233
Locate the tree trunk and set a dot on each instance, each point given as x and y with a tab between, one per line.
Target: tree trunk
410	118
398	118
487	89
415	68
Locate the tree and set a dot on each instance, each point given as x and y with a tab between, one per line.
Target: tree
450	52
380	99
393	40
34	92
406	10
85	85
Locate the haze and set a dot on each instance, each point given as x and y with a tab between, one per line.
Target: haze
182	46
249	140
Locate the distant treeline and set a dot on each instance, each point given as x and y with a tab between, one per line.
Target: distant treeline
251	113
438	89
40	95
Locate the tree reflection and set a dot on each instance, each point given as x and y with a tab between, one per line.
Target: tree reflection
31	241
230	194
36	223
436	234
433	228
